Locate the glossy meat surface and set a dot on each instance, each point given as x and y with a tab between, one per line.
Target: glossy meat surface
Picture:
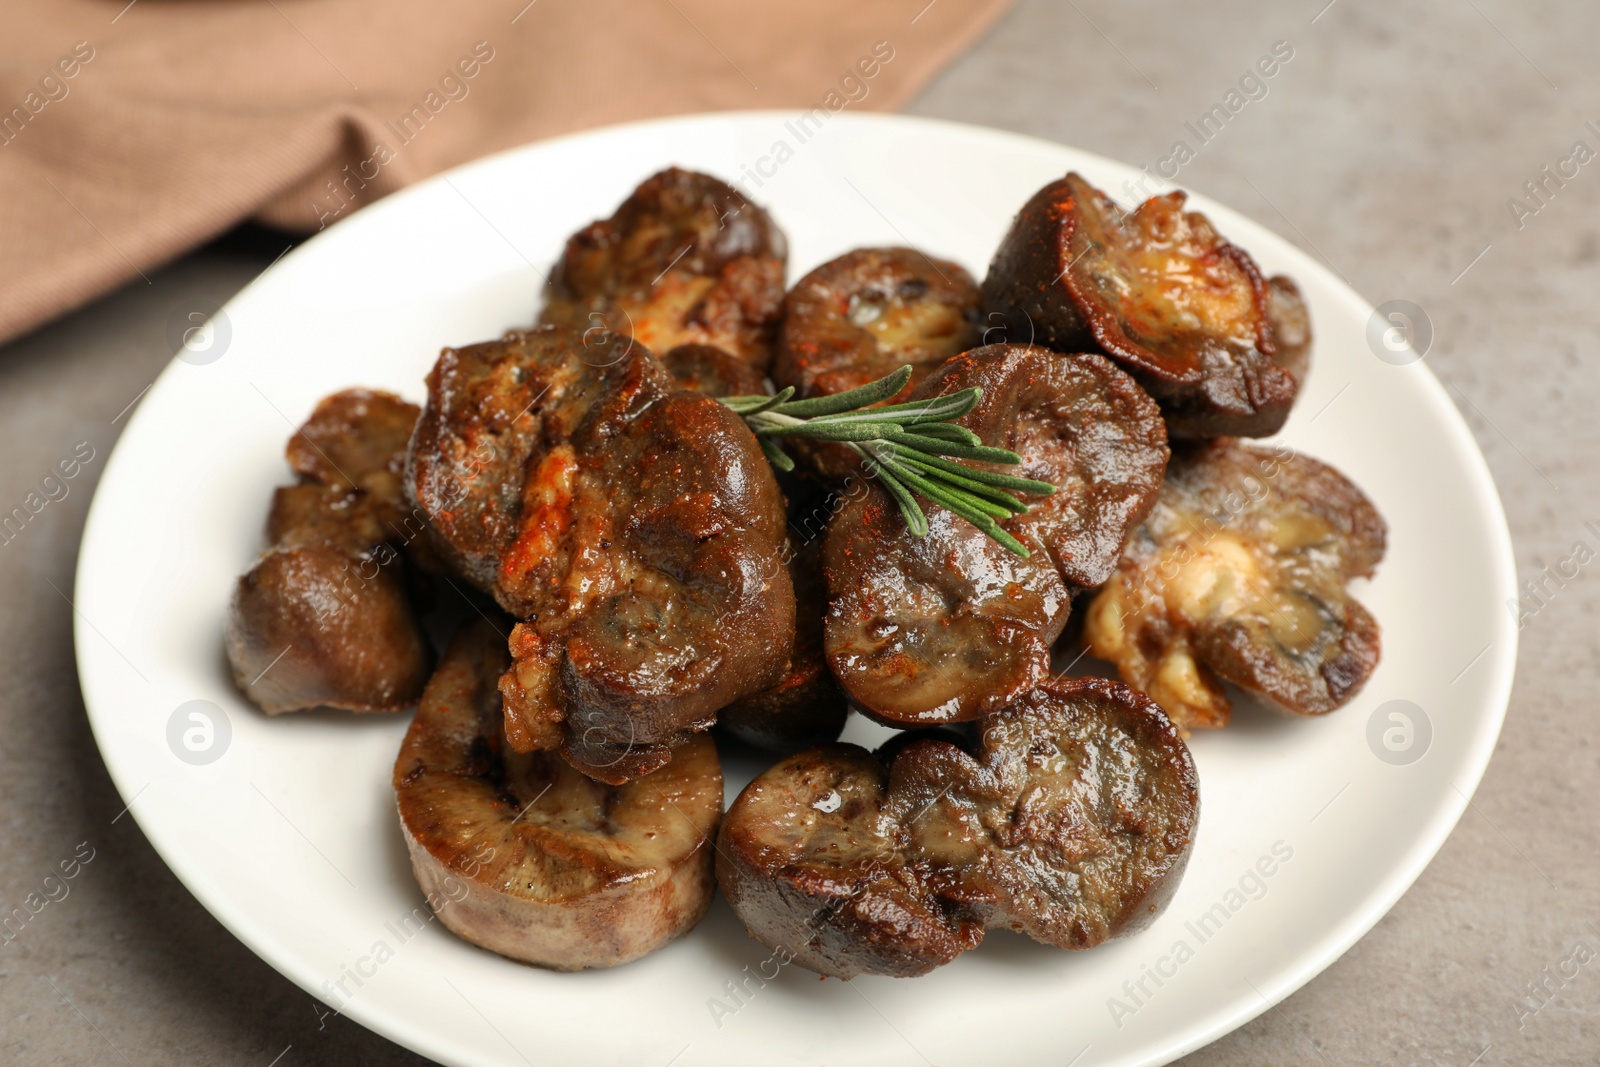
527	857
634	528
806	706
323	617
355	439
686	259
1239	575
869	312
934	629
862	316
1069	817
1157	289
709	370
951	626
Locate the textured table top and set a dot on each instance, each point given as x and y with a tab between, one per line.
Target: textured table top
1395	145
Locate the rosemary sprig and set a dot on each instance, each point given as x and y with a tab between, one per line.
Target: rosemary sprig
904	446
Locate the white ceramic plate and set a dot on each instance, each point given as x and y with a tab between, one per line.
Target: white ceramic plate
290	838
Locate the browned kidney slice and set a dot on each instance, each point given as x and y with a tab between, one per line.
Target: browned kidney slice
323	619
709	370
934	629
869	312
527	857
634	528
1069	817
1239	575
1160	291
686	259
950	626
862	316
806	706
1290	321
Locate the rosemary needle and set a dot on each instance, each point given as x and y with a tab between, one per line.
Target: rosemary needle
905	447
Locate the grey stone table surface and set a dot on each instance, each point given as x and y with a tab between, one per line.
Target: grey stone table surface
1396	144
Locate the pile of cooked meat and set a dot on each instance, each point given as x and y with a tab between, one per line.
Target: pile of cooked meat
640	585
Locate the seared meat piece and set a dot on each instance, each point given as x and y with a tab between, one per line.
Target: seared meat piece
316	625
869	312
526	857
862	316
1290	322
951	626
322	618
708	370
686	259
806	706
1160	291
356	439
810	857
1239	575
634	527
940	628
1069	818
313	513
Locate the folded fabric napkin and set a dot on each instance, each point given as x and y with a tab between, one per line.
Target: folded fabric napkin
131	132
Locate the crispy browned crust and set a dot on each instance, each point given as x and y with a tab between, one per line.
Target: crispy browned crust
323	618
1240	575
686	259
635	528
951	626
1069	274
528	858
1069	817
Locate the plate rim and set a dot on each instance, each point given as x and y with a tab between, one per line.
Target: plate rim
1312	961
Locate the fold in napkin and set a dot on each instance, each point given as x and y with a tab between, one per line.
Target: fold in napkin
132	132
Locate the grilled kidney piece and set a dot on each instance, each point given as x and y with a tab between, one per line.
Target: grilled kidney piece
708	370
525	856
635	528
950	626
1160	291
1290	322
323	619
1069	818
869	312
1239	575
934	629
862	316
806	707
686	259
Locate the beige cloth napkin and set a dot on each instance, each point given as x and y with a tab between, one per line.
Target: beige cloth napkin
132	132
